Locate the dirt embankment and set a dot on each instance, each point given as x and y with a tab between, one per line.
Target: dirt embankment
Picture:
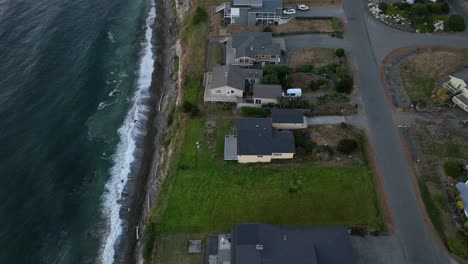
164	91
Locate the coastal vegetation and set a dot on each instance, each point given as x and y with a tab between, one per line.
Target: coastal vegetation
205	194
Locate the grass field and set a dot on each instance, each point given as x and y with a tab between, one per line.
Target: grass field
217	55
420	73
206	194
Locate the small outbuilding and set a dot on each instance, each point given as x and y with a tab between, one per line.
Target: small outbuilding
288	119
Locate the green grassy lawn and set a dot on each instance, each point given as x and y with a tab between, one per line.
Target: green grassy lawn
206	194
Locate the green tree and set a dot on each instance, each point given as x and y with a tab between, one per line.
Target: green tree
383	7
339	53
309	146
268	29
456	23
344	85
453	168
201	16
419	9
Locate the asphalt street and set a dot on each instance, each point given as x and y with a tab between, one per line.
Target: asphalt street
370	41
411	229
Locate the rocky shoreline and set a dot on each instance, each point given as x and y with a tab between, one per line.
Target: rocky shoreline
142	189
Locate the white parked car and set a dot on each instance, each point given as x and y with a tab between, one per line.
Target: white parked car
293	93
289	11
302	7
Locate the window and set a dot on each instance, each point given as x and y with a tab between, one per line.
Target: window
232	91
259	156
258	101
277	154
273	56
218	91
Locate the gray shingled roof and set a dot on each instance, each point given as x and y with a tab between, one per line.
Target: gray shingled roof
269	6
286	116
246	2
463	74
283	142
271	91
285	245
233	76
256	136
250	44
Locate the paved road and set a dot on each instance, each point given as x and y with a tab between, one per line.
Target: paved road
412	231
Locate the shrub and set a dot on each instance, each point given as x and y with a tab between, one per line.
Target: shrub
253	111
299	138
339	53
326	148
309	146
453	168
347	146
344	85
268	29
402	6
317	84
456	23
460	205
306	68
465	225
419	9
201	16
188	107
436	8
383	6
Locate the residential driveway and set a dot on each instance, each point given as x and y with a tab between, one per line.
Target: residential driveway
411	229
321	12
325	120
377	250
293	42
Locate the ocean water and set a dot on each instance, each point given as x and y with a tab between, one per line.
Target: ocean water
74	89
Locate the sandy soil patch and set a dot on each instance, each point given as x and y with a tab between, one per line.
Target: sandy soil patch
315	56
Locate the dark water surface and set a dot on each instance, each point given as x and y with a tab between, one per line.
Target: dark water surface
68	74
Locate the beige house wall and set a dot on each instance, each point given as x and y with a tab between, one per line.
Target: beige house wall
224	91
455	84
289	125
253	158
265	100
282	155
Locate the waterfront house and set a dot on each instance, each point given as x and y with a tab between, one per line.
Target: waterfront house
258	141
253	12
254	243
252	49
457	85
227	83
463	190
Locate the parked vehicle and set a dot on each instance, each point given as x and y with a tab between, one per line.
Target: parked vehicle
302	7
293	93
289	11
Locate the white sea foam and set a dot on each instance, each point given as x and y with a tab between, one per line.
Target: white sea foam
132	128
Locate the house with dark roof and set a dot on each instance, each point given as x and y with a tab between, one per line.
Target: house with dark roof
288	119
252	49
458	86
253	12
462	188
258	141
227	83
254	243
266	93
